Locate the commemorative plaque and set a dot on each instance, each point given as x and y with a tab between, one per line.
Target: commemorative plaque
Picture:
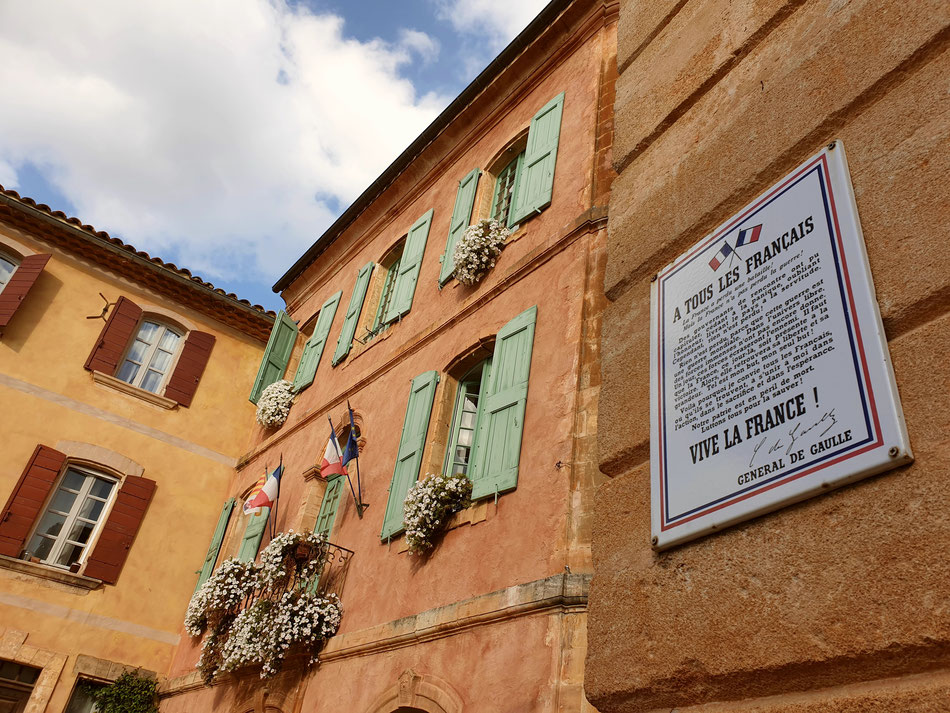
770	375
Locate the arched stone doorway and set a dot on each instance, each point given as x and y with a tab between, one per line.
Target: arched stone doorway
418	693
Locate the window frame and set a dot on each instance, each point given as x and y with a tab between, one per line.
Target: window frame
390	263
14	261
61	540
484	371
145	366
515	165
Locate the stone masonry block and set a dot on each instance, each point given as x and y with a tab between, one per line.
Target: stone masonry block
846	587
770	112
703	40
638	21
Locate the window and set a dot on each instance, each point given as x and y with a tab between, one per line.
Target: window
7	267
139	350
65	530
16	683
487	424
390	264
81	700
56	513
505	185
464	419
150	356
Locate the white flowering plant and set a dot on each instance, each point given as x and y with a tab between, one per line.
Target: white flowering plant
273	407
477	249
428	506
255	613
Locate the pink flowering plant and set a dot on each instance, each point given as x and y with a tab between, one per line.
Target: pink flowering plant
255	614
477	250
428	506
273	407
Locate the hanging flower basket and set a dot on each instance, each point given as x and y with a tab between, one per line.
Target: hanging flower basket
258	614
273	407
477	249
429	505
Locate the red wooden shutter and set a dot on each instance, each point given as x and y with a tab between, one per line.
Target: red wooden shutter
114	337
191	365
26	501
116	537
19	285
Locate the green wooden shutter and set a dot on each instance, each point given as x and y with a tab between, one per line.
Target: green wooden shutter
461	219
313	349
409	266
328	508
353	311
536	179
276	355
409	456
253	534
501	410
212	557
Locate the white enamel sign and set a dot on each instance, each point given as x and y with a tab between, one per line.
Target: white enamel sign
770	376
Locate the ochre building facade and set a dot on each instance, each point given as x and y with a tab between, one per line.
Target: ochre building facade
838	603
116	458
495	618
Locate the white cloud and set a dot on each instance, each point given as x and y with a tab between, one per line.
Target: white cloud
500	20
425	46
8	178
221	131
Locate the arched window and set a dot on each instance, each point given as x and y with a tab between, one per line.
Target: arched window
72	516
465	419
386	286
8	265
150	356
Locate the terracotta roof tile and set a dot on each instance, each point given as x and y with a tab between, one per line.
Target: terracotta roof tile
184	272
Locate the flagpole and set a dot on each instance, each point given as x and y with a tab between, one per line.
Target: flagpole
359	510
359	482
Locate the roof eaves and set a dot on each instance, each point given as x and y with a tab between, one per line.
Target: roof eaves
448	115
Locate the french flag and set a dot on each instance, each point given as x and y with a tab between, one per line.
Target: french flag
720	257
332	459
748	235
264	495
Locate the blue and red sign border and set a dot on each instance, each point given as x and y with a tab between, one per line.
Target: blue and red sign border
874	436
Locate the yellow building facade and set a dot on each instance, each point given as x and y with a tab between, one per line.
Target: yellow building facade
114	370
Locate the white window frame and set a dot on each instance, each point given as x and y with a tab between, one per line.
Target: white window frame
7	257
145	365
61	540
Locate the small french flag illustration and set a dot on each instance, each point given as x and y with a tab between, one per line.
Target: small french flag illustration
748	235
720	257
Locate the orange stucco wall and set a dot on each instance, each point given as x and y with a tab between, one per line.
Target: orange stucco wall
555	262
48	397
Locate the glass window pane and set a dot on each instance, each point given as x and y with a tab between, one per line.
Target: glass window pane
51	524
69	555
468	419
160	361
6	270
102	488
80	531
461	454
91	509
471	401
28	674
137	351
62	501
147	332
9	670
152	381
40	546
465	437
127	372
73	480
169	341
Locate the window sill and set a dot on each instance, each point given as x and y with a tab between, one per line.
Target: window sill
111	382
45	571
357	351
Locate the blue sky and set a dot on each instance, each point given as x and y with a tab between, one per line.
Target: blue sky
226	135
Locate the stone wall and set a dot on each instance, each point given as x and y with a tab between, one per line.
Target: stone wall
838	603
